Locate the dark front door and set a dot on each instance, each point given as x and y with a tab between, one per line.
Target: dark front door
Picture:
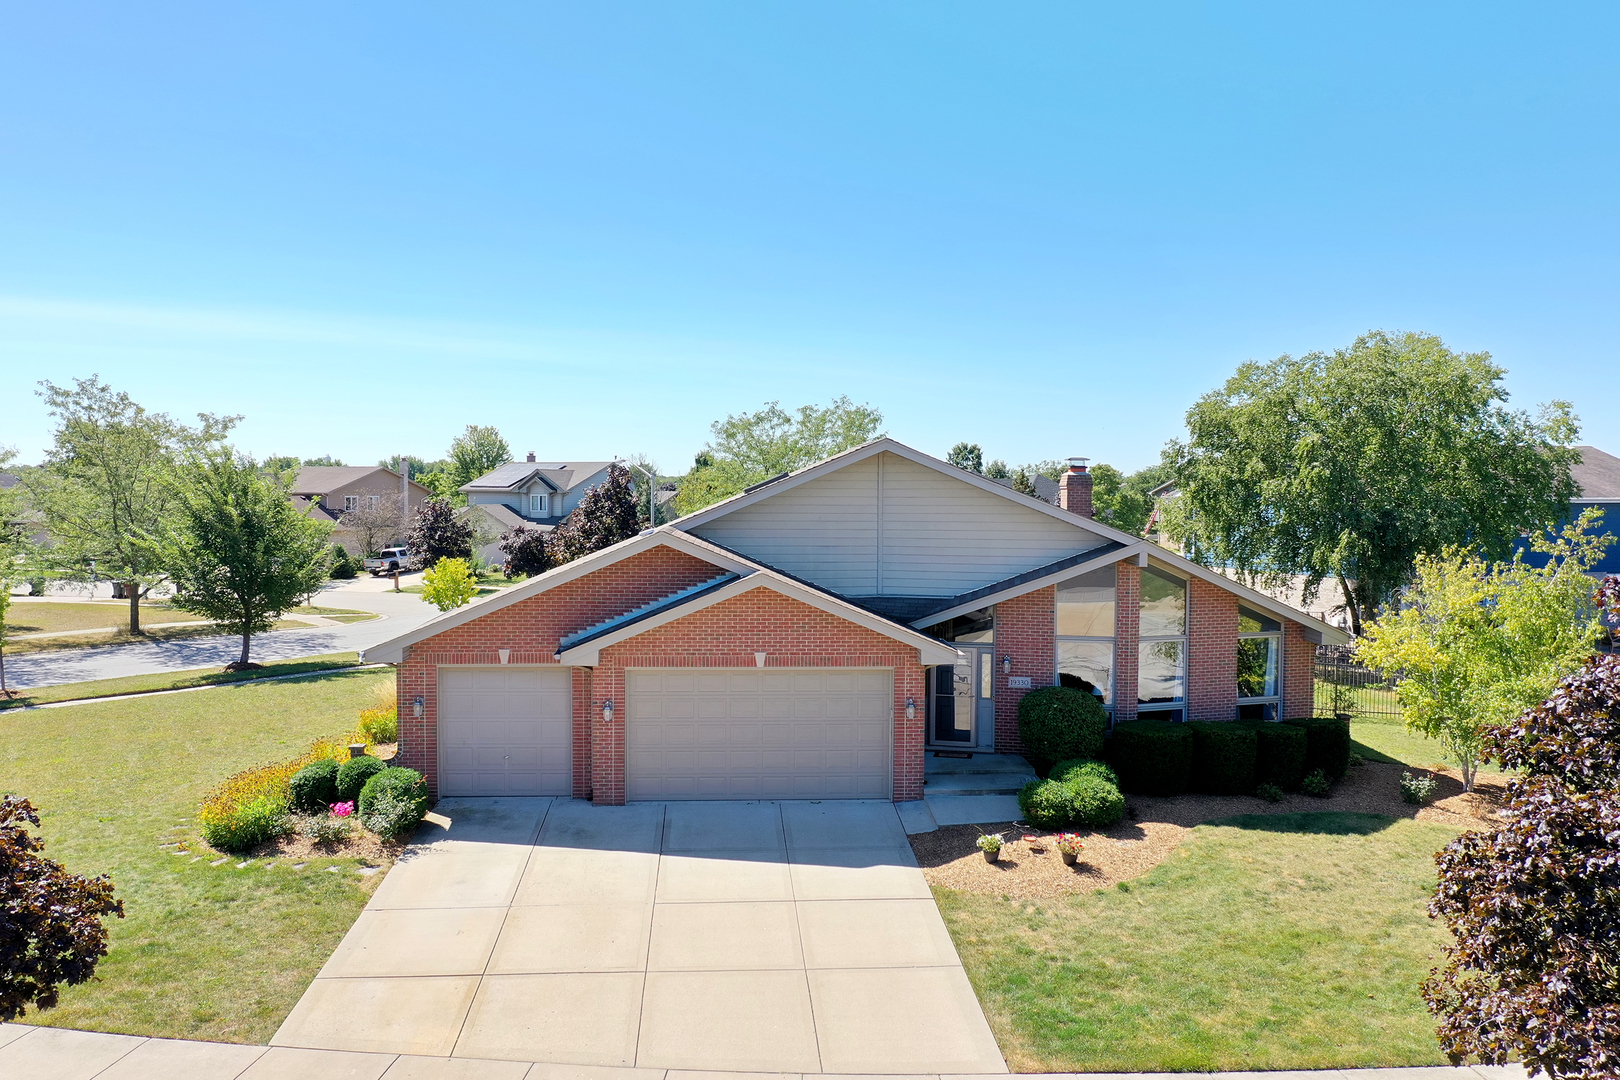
959	704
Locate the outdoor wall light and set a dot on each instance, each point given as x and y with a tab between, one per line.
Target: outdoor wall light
911	708
1006	665
416	707
607	711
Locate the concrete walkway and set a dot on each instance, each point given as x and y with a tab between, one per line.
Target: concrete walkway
791	937
29	1053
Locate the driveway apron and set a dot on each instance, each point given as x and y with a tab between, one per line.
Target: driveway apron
791	937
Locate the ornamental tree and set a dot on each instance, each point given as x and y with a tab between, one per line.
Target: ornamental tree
437	532
525	551
605	515
448	584
1475	644
237	550
51	929
1534	905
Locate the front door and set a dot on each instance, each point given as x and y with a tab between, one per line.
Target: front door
961	702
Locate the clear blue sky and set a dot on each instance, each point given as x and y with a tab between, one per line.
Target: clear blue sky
1043	227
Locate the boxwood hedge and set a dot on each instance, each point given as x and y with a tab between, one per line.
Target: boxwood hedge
1327	744
1224	756
1152	757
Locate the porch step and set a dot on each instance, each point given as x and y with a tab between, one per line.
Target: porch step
972	809
982	774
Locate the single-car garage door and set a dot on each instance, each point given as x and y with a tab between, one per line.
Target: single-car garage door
746	733
506	731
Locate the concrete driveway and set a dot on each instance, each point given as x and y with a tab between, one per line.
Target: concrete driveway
786	937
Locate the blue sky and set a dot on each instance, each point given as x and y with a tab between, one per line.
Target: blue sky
1046	227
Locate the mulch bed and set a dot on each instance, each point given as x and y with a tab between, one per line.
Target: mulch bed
1154	827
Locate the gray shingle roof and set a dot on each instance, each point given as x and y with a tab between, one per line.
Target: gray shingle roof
1598	474
561	475
323	479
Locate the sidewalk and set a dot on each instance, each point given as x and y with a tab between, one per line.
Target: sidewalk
60	1054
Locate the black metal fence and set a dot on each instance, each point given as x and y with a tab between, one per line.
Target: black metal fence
1344	685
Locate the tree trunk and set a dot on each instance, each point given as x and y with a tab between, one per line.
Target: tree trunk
1351	605
134	591
246	638
3	691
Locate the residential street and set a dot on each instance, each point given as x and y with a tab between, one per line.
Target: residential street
400	612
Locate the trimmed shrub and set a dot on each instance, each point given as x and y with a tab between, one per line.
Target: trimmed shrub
353	774
1057	723
1097	802
342	565
1269	792
1419	790
314	787
1046	804
380	725
1066	772
1152	757
248	825
1316	784
220	807
393	802
1328	744
1281	758
1224	756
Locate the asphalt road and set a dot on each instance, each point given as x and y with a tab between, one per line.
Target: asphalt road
400	612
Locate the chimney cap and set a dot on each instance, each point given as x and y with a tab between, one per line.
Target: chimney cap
531	455
1078	464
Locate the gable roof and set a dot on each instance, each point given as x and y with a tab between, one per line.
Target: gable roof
324	479
1046	488
1317	630
1597	476
557	475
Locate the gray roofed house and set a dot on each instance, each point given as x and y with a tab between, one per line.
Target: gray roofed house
536	491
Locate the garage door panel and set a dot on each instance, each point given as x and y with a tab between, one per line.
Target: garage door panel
758	734
506	731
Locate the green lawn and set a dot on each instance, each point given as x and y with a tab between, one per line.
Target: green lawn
206	952
49	618
174	680
1288	942
1392	741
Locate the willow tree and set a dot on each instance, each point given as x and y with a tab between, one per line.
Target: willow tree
1351	464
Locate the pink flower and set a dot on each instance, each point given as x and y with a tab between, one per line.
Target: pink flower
342	809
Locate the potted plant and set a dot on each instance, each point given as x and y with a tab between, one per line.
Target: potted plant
1069	845
990	844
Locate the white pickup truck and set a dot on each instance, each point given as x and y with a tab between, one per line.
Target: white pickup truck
389	560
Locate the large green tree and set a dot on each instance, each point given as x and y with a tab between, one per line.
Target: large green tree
1126	501
1474	644
1349	465
474	452
750	447
236	550
108	481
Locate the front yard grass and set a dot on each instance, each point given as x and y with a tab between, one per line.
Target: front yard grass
205	952
48	617
1288	942
173	680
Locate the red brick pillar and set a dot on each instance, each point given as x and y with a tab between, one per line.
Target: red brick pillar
1212	629
1127	637
418	735
909	684
1026	630
582	733
607	739
1299	672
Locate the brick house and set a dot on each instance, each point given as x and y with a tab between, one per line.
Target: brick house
812	636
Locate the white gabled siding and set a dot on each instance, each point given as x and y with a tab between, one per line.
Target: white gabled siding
938	536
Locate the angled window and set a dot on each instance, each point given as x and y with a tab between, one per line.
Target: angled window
1084	616
1259	665
1162	667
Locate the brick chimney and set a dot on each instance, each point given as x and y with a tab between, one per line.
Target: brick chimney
531	457
1074	490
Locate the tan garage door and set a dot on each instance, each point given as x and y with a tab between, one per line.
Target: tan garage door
506	731
744	733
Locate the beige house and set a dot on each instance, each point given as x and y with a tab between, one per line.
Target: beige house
362	501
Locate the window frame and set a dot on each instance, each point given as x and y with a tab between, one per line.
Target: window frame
1276	636
1179	704
351	503
1110	699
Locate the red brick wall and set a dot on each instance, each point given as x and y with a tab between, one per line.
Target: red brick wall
726	635
1026	631
1299	672
531	629
1127	637
1212	629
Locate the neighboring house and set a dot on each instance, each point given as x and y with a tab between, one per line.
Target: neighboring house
537	494
1046	488
332	492
811	637
1597	480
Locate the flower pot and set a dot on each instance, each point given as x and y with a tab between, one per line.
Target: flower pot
992	856
1070	858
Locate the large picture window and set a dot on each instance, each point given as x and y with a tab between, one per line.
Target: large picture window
1085	633
1162	668
1259	662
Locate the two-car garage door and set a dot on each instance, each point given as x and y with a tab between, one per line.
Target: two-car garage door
778	733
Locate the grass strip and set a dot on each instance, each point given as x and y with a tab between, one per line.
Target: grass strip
175	680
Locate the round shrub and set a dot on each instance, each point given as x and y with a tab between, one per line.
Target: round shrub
1057	723
353	774
341	566
1327	744
1224	756
1066	772
1152	757
393	802
314	787
247	826
1097	802
1317	784
1046	804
